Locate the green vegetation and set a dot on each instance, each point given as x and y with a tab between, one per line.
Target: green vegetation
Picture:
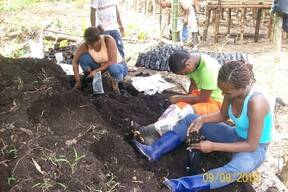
14	5
9	5
11	180
72	163
13	152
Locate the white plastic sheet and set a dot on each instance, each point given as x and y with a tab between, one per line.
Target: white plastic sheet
68	69
151	85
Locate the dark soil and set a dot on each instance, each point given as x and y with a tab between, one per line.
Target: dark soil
54	138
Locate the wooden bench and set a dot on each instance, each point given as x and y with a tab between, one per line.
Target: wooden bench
217	6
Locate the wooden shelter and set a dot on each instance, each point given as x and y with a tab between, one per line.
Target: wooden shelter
218	6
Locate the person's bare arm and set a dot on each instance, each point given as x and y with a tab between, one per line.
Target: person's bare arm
75	62
258	107
186	16
192	86
202	98
119	21
216	117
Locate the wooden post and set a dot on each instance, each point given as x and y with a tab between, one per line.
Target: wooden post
242	24
284	172
175	8
257	27
229	21
207	22
217	21
136	7
154	7
160	24
270	27
277	37
146	6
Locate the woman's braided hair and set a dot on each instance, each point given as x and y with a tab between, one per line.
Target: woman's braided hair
237	73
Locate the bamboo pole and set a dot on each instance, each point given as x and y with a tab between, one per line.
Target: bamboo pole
146	6
154	7
136	7
175	15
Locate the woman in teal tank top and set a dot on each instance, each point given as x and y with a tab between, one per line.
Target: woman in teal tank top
247	140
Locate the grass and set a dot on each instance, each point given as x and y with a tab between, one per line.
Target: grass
11	180
44	186
14	5
72	163
13	152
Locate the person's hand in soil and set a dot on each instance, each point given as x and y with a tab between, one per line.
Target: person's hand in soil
92	73
174	99
195	125
77	85
204	146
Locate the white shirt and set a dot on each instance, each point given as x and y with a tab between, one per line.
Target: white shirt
105	13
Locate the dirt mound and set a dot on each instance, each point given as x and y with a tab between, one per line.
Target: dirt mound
122	111
55	139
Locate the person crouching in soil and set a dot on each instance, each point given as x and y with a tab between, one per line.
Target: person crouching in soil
248	140
204	95
98	53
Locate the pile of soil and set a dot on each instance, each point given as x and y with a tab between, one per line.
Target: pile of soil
53	138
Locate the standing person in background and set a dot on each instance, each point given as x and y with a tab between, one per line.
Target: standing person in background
106	14
187	20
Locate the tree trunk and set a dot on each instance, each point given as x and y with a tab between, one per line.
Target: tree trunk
277	37
284	172
175	9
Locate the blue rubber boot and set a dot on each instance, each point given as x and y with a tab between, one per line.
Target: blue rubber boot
187	184
163	145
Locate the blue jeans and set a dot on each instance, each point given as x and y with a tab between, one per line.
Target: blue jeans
118	71
241	163
185	34
117	36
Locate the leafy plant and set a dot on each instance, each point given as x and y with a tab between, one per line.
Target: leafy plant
112	182
142	35
44	186
48	44
19	82
11	180
62	185
73	163
13	152
64	43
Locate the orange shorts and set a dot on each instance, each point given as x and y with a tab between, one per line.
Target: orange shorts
210	106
